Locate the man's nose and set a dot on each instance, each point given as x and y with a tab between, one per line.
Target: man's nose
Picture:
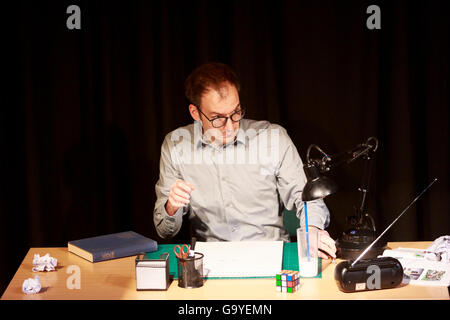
229	125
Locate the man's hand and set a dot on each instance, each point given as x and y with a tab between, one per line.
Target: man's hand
326	244
179	196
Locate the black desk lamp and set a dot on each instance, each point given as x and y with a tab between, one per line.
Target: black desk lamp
362	231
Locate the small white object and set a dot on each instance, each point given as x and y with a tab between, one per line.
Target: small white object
31	286
360	286
44	263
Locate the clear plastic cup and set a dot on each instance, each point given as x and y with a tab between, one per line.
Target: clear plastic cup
308	259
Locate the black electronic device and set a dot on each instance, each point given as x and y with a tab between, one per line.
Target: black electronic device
372	274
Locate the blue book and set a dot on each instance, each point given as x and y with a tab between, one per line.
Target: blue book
112	246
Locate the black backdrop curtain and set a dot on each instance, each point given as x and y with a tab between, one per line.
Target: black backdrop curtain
82	133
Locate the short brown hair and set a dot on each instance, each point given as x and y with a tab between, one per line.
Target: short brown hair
208	76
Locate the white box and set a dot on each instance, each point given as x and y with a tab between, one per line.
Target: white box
152	274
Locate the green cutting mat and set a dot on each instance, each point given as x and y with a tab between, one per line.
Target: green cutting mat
290	259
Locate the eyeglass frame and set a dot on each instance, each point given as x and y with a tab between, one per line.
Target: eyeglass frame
224	124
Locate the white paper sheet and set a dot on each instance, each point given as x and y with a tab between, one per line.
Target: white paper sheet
241	258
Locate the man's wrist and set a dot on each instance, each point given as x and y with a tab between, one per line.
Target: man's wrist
170	209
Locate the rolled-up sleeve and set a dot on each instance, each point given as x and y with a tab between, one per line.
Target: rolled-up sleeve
166	226
291	180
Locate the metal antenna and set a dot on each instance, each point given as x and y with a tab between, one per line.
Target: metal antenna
371	245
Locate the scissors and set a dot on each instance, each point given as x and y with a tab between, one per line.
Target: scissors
180	252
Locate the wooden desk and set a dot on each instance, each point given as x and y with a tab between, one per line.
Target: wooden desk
115	279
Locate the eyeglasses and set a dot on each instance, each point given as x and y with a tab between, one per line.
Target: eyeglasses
219	122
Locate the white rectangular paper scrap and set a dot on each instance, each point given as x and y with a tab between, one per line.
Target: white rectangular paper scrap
241	258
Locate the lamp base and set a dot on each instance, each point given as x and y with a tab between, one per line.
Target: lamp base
349	248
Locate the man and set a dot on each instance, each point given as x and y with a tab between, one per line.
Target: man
233	176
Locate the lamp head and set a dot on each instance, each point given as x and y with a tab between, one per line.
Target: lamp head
317	186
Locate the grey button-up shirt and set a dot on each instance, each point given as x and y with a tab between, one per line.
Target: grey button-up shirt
240	188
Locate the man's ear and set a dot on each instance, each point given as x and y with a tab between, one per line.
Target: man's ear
194	112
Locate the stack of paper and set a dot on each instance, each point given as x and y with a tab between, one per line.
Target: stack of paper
241	259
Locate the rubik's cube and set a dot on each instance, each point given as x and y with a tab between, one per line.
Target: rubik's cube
288	281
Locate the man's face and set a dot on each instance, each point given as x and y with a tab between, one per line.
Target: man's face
221	103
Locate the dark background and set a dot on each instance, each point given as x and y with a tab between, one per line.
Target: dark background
86	110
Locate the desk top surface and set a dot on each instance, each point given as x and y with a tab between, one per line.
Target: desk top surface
115	279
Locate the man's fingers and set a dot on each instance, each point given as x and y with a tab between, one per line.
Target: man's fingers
187	187
327	244
178	201
191	186
174	203
323	255
328	250
324	236
179	192
330	243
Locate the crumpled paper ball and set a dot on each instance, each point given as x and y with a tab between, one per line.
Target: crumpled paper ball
31	286
44	263
439	250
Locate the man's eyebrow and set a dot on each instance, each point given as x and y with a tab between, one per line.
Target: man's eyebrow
213	114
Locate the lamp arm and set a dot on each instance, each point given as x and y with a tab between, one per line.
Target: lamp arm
309	151
364	149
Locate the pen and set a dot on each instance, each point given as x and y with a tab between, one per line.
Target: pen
193	242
